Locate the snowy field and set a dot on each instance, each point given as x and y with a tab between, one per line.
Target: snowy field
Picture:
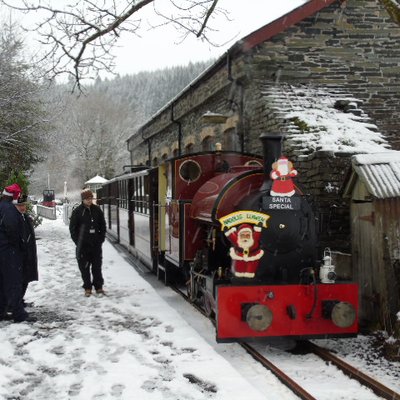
135	344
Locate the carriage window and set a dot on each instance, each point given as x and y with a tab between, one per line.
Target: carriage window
190	171
123	194
135	196
141	194
146	194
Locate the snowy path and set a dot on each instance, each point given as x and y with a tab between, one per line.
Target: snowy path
128	345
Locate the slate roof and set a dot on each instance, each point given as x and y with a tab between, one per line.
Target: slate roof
321	119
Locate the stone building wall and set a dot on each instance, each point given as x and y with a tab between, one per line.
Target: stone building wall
351	44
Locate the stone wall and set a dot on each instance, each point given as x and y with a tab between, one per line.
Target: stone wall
352	44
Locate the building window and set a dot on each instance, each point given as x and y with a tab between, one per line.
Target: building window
189	148
206	144
231	140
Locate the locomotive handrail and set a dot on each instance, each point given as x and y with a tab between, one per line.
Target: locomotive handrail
199	275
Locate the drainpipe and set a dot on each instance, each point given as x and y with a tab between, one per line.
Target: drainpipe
179	129
148	147
149	151
236	83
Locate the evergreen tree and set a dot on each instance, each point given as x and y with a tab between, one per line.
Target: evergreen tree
22	122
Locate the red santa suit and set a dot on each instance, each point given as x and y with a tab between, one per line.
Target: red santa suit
282	175
245	252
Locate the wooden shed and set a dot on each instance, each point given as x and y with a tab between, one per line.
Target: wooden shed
374	189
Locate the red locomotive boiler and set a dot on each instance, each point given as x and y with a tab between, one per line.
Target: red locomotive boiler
241	234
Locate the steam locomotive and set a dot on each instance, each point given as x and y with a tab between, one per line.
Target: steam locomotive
240	234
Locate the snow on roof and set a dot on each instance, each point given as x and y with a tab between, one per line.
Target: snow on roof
96	180
324	120
380	173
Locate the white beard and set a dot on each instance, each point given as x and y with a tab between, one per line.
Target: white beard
283	169
245	243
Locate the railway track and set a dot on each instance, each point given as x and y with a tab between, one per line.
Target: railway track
378	388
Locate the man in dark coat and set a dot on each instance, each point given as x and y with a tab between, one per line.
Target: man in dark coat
88	230
30	264
11	256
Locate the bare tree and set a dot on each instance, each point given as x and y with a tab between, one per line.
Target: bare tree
78	37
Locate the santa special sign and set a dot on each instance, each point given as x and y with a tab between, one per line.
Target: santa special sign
281	203
244	217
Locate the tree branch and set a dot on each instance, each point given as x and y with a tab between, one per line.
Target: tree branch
79	38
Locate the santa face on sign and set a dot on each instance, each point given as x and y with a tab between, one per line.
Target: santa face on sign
245	253
245	238
282	174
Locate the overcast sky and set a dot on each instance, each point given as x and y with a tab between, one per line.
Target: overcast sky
159	48
162	47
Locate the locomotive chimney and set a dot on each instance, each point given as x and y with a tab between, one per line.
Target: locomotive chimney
272	147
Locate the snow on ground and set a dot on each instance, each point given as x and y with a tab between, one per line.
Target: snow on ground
128	345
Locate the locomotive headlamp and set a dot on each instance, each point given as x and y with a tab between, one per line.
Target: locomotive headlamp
327	272
258	317
343	314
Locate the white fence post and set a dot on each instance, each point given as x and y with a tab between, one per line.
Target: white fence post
67	211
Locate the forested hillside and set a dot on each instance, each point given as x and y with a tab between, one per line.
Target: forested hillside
89	131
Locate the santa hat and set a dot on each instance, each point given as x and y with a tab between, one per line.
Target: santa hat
23	199
86	194
282	160
13	191
245	227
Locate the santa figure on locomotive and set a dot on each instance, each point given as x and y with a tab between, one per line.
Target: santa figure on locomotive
246	252
282	174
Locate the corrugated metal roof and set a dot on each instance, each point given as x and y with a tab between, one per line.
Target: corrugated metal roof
380	173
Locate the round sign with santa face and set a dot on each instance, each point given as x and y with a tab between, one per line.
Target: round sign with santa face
281	175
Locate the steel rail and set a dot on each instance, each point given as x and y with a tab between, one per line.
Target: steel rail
377	387
285	379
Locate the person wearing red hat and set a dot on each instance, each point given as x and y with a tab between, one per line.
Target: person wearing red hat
246	252
30	265
11	256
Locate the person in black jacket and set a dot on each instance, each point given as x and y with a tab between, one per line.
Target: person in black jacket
88	231
30	264
11	257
